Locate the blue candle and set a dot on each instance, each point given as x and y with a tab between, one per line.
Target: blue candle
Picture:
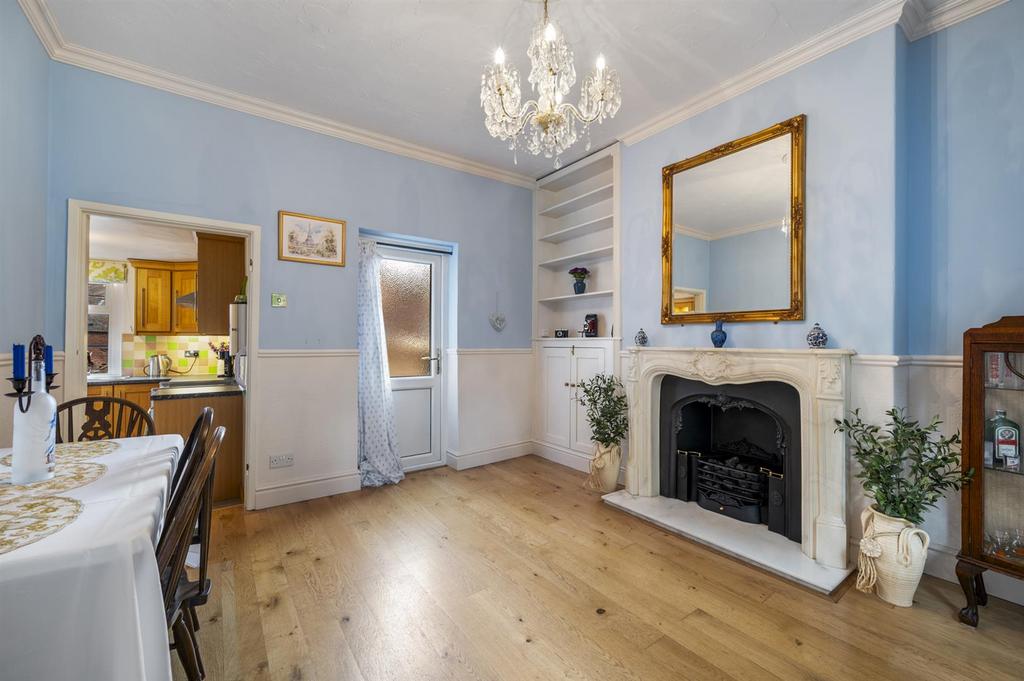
48	358
19	361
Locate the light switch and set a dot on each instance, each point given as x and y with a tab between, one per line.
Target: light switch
278	300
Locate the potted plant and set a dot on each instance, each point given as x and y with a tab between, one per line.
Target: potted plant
580	275
906	468
607	413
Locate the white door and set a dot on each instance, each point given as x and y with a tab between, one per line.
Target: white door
555	395
586	363
413	299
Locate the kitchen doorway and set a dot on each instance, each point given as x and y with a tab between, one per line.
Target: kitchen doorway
414	300
243	240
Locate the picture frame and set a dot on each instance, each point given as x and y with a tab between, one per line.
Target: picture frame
310	239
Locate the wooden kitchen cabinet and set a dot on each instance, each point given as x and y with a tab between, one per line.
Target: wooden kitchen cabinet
220	277
100	391
162	302
152	300
179	415
138	393
183	311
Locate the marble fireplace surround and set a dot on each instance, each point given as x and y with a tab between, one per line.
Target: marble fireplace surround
822	379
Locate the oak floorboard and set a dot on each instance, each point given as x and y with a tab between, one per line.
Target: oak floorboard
513	572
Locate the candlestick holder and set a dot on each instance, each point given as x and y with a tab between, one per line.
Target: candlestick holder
23	390
23	386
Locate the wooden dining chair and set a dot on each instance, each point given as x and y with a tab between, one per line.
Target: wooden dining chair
199	591
173	548
101	418
197	439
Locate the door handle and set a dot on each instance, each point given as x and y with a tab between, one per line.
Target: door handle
434	359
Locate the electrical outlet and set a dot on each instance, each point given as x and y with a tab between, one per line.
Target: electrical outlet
282	461
191	353
278	300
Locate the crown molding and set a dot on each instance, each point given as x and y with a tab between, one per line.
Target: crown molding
59	49
911	15
918	21
854	28
726	233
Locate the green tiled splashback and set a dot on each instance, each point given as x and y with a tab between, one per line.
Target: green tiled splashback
136	351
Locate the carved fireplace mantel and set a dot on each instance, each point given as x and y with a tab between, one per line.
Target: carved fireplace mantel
821	377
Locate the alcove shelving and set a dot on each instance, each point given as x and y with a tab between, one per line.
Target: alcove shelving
576	223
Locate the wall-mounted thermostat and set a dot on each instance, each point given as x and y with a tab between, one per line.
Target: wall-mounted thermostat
278	300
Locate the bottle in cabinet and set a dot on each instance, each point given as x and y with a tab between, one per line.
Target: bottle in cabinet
1005	442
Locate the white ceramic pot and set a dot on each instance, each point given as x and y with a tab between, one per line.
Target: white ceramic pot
892	557
604	468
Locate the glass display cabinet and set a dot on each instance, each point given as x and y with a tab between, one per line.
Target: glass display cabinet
993	501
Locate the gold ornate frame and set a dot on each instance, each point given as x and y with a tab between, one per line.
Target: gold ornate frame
281	255
795	311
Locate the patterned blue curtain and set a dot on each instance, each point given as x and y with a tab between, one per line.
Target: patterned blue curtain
378	445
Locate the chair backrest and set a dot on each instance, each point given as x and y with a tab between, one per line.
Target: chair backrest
197	438
101	418
203	534
177	537
190	456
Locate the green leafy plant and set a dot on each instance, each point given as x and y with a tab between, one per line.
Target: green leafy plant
607	410
906	467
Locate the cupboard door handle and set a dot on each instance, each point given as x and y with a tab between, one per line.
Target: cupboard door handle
143	307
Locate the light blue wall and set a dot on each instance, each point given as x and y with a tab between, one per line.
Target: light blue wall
24	110
750	271
848	96
121	143
966	178
691	257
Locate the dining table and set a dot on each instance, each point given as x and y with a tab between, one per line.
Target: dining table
80	594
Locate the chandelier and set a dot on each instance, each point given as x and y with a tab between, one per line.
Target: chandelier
547	124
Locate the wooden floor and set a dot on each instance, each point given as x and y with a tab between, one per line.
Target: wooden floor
511	571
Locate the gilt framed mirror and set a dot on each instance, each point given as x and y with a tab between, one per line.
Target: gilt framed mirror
732	240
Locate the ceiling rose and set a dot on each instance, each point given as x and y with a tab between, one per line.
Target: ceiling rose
547	125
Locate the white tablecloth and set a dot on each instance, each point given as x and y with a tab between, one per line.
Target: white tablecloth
84	603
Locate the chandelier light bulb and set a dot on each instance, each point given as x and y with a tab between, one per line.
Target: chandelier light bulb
558	98
600	63
549	33
499	56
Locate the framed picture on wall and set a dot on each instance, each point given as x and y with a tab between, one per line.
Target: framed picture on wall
307	238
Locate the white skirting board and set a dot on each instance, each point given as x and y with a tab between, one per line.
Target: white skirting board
460	461
292	492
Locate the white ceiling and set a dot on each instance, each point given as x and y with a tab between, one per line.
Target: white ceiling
746	190
120	239
410	69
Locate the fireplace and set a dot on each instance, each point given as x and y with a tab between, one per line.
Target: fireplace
734	450
743	434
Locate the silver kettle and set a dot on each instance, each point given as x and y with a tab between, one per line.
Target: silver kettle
159	365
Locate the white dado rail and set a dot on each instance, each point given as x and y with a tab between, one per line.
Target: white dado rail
821	377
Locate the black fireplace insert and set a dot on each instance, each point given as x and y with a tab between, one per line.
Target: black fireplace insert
732	450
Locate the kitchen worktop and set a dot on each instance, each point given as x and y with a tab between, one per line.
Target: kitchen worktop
175	391
114	379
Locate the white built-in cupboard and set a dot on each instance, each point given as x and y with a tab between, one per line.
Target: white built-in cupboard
576	222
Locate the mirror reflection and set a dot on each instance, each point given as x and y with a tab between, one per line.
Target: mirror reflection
731	224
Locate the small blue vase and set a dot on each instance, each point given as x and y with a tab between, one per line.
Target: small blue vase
719	335
816	337
579	286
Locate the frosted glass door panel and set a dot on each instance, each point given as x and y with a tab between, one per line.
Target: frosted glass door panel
405	289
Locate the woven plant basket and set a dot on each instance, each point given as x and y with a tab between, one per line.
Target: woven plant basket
892	557
604	468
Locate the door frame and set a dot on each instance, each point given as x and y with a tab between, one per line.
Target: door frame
441	330
77	298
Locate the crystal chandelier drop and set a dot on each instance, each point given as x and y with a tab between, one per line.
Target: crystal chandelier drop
547	124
